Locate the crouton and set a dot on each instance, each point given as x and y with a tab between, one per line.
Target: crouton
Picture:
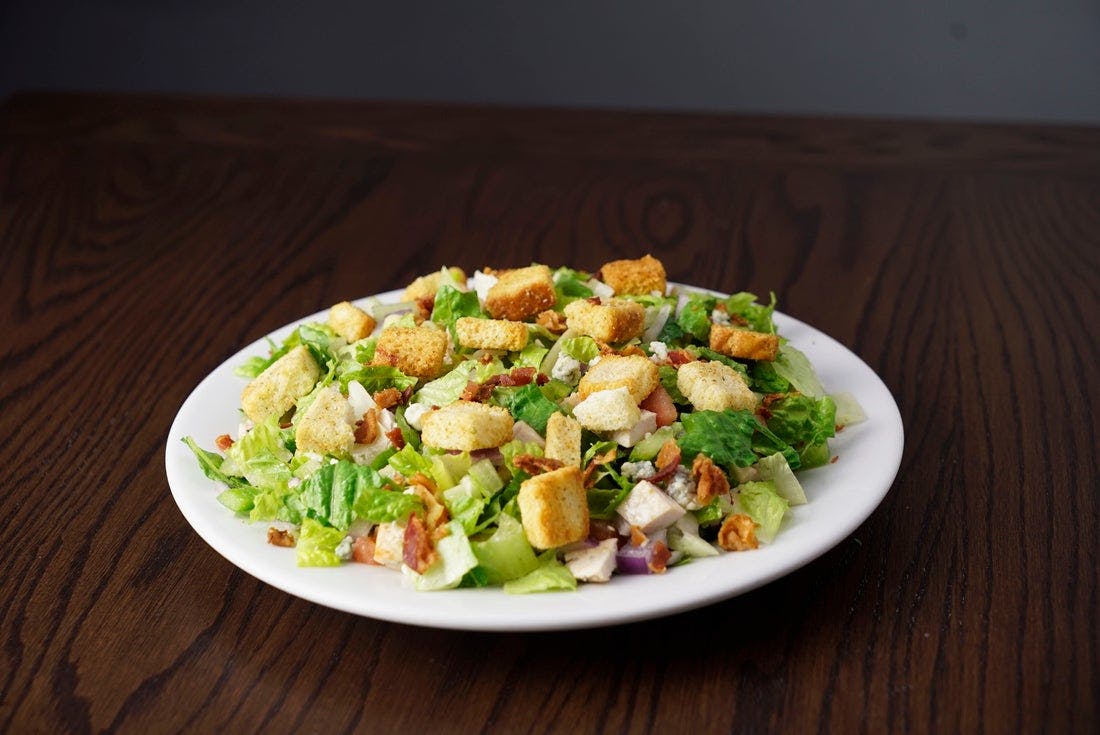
713	386
275	391
491	334
636	373
350	322
415	351
427	285
615	320
563	439
608	410
521	293
466	426
743	343
328	425
553	507
641	276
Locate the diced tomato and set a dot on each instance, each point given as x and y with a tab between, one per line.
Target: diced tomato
660	403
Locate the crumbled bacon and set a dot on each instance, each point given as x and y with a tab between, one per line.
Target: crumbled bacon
397	439
834	459
594	300
223	442
518	376
423	308
542	379
632	350
589	474
536	465
710	480
366	428
738	533
435	514
679	357
278	537
739	320
668	459
637	538
387	398
362	550
418	552
552	321
658	562
601	530
470	392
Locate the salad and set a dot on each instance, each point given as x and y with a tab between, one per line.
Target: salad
531	428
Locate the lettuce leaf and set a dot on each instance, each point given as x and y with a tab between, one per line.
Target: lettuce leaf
694	317
316	545
763	504
450	304
210	463
580	348
800	420
569	285
548	576
758	316
506	554
764	378
528	404
375	378
724	436
456	558
793	366
332	494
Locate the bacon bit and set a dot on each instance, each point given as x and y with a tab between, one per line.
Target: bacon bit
542	379
659	561
680	357
276	537
632	350
536	465
552	321
418	551
601	530
738	319
834	459
764	409
470	392
605	349
397	439
434	512
518	376
710	480
366	428
223	442
637	538
837	428
285	424
594	300
486	358
424	481
668	459
406	395
588	477
362	550
738	533
387	398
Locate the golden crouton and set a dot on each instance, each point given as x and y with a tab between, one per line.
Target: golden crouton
615	320
554	508
491	334
563	439
743	344
328	425
350	322
278	388
427	285
714	386
641	276
465	426
608	410
636	373
415	351
521	293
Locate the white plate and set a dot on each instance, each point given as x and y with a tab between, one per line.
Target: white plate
841	496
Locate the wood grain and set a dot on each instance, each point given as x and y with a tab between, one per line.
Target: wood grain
143	240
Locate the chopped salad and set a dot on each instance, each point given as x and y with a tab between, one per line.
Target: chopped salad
531	428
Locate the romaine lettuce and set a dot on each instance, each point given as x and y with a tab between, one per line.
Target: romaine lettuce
724	436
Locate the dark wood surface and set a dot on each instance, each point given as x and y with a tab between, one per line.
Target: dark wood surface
144	240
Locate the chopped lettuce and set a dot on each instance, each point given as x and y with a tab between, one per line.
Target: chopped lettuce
758	316
334	493
527	403
776	469
762	502
451	304
531	355
648	447
668	375
316	545
456	558
211	464
694	317
466	500
583	349
764	378
724	436
548	576
848	410
570	285
793	366
506	554
800	420
374	378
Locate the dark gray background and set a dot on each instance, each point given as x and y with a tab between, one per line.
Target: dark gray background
1011	60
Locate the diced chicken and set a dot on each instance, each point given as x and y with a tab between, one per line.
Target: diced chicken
646	425
648	508
593	564
389	544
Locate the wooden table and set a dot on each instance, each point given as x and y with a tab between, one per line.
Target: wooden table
144	240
